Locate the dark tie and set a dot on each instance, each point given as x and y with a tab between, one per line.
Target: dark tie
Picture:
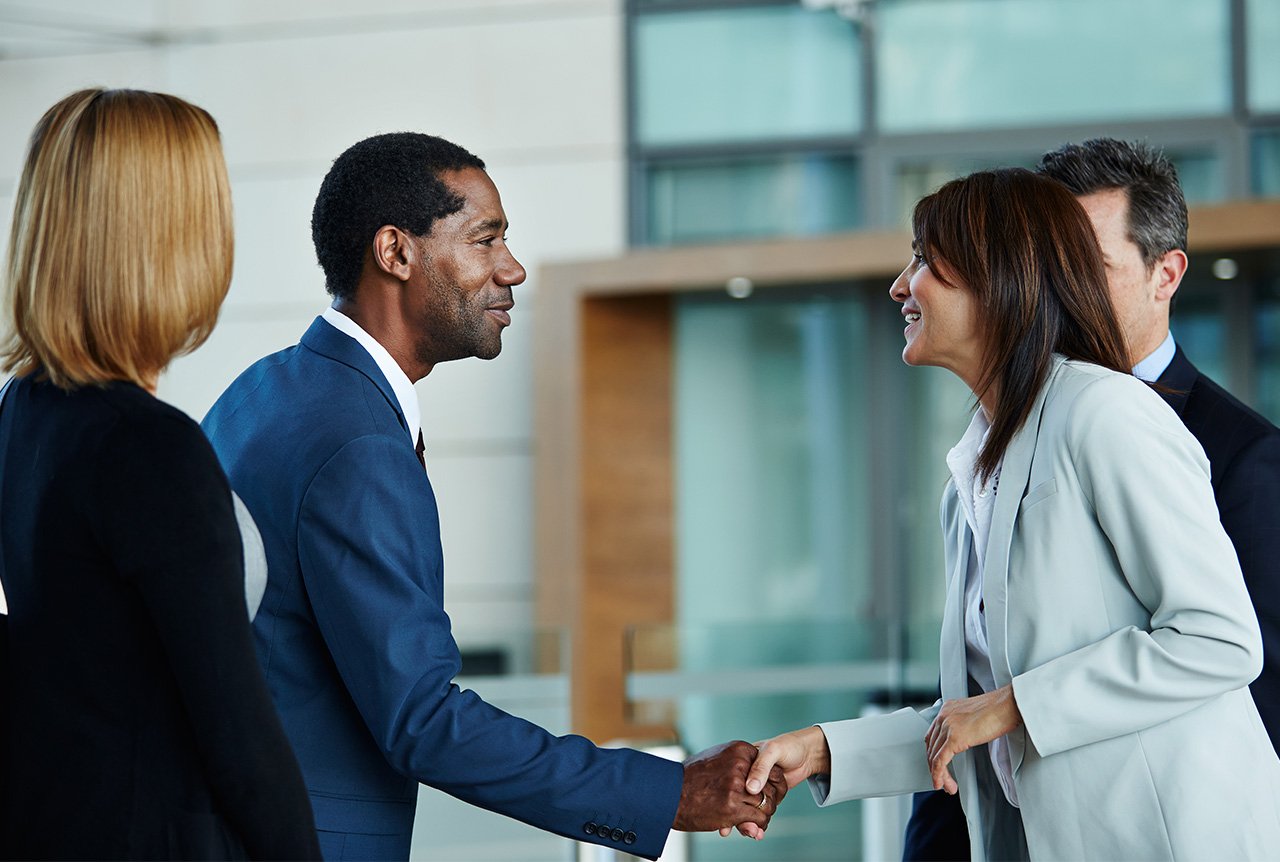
419	450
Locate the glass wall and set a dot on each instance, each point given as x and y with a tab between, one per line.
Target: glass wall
1263	35
828	121
963	64
758	73
790	194
806	525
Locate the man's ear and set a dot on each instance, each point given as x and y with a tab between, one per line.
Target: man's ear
1169	271
392	252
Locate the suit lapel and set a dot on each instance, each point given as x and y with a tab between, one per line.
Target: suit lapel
323	338
1178	378
1014	474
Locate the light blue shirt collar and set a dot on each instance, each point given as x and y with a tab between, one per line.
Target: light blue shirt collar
1150	369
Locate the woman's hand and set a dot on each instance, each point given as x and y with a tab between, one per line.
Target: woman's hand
798	754
962	724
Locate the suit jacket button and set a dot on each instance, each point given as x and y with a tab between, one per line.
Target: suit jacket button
616	834
629	838
590	828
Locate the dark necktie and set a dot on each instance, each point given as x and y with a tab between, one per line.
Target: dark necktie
419	450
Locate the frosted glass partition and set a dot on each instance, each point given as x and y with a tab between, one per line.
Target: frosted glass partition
784	195
808	465
752	73
1262	35
958	64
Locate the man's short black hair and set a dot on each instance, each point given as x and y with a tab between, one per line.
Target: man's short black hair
391	179
1157	209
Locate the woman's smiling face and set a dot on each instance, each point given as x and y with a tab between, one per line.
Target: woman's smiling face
942	318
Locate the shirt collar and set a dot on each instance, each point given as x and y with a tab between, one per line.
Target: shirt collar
963	457
400	383
1153	366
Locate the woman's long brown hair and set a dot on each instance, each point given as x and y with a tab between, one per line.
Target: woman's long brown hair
1026	249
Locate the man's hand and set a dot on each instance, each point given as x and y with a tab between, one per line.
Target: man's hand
714	795
962	724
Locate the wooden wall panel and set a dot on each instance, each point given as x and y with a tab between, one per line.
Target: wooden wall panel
626	491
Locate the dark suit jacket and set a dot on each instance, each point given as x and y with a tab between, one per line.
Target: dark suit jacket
353	633
1244	462
140	725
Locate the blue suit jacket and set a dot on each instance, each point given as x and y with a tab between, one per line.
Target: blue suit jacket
353	633
1243	449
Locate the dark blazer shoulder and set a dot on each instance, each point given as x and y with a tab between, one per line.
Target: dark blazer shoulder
1222	423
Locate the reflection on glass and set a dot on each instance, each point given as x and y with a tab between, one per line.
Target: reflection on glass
787	195
1262	34
1266	164
754	73
957	64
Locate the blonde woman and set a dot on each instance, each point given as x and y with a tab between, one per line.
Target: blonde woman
139	725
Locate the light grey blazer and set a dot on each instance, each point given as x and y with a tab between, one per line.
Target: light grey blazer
1116	607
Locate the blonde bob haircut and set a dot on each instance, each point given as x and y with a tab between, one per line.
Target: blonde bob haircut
121	247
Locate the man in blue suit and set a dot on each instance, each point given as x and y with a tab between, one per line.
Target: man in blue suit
322	441
1132	196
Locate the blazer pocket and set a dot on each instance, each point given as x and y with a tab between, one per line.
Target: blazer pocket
1038	494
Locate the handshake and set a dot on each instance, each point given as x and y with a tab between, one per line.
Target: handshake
714	795
737	785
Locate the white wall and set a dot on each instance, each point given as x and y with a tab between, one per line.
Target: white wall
533	88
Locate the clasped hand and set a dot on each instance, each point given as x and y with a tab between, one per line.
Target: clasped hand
714	795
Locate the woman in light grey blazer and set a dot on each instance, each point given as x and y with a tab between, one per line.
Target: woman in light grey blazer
1097	639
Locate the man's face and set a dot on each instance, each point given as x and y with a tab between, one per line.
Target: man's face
460	292
1138	293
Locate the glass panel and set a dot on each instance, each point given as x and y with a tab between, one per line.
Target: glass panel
1267	335
805	591
915	179
1201	176
789	195
772	503
1200	173
756	73
954	64
1266	164
1262	33
1198	321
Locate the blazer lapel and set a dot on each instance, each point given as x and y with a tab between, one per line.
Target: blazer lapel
1178	378
325	339
1014	474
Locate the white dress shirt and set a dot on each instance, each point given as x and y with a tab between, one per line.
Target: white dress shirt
978	500
400	383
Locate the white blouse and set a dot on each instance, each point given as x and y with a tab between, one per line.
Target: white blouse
978	501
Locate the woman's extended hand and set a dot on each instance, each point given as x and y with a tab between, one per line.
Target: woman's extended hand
798	754
962	724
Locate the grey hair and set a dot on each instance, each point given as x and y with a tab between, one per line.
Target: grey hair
1157	209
